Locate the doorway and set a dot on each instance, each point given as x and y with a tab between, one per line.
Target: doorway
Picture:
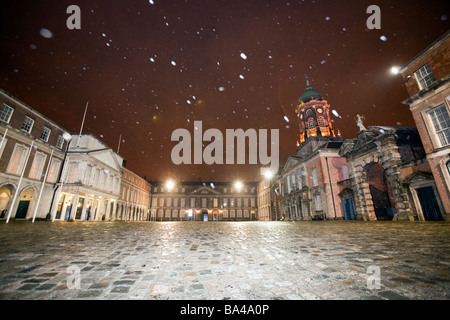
204	215
429	204
349	209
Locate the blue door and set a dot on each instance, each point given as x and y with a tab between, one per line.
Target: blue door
349	209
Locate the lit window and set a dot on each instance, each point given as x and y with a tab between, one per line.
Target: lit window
5	113
321	121
17	160
37	166
45	134
425	76
53	171
441	122
27	124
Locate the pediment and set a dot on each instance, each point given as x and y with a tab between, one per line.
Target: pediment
204	190
291	163
108	157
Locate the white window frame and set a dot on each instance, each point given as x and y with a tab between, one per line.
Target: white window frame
22	159
438	141
36	168
45	135
60	142
54	170
425	76
7	113
27	127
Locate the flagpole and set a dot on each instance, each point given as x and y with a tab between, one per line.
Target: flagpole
118	147
82	125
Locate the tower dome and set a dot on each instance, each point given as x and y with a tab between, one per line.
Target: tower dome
310	93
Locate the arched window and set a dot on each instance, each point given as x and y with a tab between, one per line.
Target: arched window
311	123
321	122
448	166
309	113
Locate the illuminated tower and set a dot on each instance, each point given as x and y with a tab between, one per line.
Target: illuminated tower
314	115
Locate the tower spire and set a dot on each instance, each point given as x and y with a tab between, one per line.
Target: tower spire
307	81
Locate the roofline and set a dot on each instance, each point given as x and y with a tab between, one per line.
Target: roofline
32	109
427	49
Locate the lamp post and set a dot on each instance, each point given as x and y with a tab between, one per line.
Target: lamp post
68	138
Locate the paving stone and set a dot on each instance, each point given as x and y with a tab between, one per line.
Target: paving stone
225	260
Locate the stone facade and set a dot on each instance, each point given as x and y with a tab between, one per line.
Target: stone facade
197	201
427	80
90	182
134	197
387	165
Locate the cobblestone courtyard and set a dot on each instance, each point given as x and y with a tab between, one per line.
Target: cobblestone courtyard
224	260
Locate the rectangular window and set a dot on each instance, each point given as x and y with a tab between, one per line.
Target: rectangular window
204	202
60	142
37	166
169	202
183	203
161	202
192	202
53	171
27	124
154	202
239	202
252	202
45	134
299	179
318	203
73	171
6	113
215	202
225	202
441	122
246	202
345	172
17	160
314	177
424	76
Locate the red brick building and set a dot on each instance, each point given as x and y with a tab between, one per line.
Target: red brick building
308	187
426	79
31	155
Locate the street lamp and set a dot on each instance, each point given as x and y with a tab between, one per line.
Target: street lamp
68	138
238	185
395	70
170	184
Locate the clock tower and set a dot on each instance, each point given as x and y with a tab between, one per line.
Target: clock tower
313	114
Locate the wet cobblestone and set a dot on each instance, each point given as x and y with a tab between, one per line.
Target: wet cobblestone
224	260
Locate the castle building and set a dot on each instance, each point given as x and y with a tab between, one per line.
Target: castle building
427	81
199	201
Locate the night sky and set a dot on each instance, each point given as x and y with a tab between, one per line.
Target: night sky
150	67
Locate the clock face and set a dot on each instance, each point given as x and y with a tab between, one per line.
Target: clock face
319	110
